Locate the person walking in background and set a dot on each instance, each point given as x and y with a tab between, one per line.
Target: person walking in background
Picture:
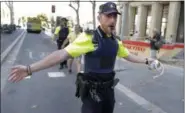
155	43
62	32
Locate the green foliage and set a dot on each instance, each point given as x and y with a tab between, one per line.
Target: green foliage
42	17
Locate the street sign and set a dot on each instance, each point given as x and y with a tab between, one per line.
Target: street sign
53	8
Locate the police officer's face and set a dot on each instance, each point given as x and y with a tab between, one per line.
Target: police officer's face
108	22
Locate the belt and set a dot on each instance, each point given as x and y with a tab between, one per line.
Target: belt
99	84
106	84
93	88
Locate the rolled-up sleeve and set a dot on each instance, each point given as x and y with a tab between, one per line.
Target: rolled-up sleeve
80	45
122	51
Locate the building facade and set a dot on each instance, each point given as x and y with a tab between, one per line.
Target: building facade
138	19
5	14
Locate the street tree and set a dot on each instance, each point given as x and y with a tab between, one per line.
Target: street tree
44	19
11	8
93	12
23	18
76	3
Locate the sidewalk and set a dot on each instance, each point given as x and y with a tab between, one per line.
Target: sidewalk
173	62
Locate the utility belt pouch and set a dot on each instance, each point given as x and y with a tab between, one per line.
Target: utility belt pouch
81	86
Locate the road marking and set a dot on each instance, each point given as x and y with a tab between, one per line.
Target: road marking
44	54
120	103
34	106
6	65
30	55
139	100
28	77
56	74
5	53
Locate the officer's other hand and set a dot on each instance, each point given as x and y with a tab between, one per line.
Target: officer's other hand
150	60
18	73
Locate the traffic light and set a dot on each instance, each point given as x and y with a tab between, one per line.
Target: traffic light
53	8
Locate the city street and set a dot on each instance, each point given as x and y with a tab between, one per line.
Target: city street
7	39
53	90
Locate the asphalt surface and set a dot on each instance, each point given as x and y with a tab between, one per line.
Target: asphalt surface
44	94
7	39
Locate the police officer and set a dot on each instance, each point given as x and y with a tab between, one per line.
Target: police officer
100	52
62	32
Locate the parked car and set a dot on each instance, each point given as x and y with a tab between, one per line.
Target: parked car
6	28
13	27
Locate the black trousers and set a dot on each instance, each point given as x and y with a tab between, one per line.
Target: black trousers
59	45
105	106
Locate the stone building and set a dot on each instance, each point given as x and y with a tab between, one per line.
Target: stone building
5	14
140	18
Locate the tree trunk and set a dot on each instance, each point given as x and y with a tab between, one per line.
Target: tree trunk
77	17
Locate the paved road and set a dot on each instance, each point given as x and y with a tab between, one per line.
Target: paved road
137	92
7	39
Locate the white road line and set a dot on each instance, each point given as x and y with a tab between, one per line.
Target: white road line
30	55
42	55
5	53
140	100
28	77
56	74
6	65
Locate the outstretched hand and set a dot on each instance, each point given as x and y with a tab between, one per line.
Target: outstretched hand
150	60
18	73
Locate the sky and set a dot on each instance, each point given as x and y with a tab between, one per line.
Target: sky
62	9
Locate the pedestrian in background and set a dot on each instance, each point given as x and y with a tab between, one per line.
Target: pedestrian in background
155	43
62	32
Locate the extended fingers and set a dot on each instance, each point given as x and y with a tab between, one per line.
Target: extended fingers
12	77
13	71
19	78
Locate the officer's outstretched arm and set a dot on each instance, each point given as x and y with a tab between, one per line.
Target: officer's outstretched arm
50	60
124	53
135	59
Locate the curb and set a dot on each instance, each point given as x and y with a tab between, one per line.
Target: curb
173	62
7	51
